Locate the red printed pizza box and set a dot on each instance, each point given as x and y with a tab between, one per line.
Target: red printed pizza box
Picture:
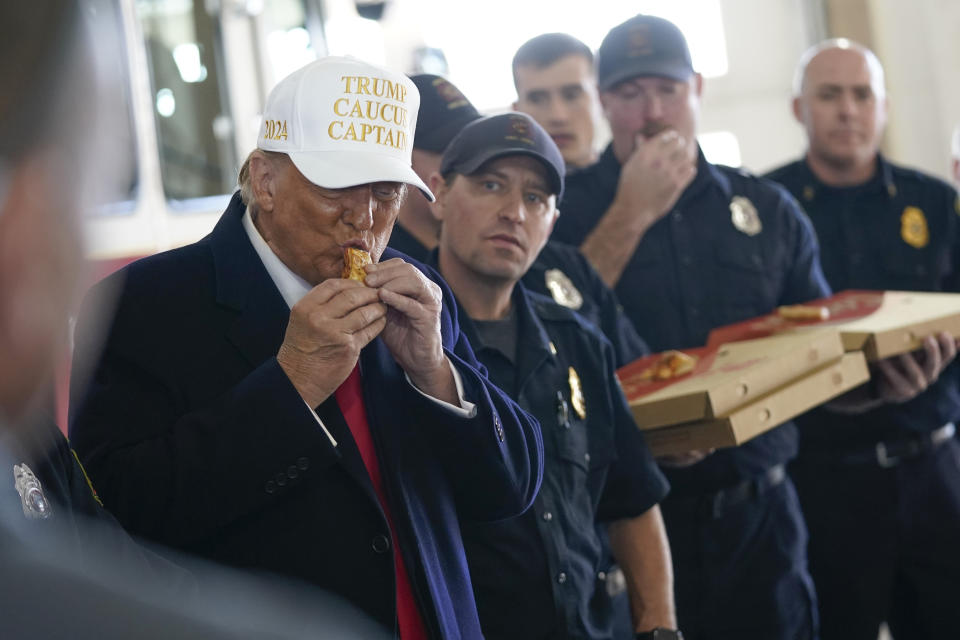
710	382
771	410
879	323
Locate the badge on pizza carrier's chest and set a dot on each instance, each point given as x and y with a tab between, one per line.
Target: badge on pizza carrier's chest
913	227
744	216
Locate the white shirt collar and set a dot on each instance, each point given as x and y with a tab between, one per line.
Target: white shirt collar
292	287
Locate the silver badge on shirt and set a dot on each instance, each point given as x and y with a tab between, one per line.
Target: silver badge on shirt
35	504
562	289
744	216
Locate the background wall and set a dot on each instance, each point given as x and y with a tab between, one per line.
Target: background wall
917	41
919	44
764	40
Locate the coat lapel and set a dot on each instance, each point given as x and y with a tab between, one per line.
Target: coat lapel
245	287
350	459
384	383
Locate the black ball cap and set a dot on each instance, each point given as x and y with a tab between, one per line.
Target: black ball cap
444	110
506	134
643	46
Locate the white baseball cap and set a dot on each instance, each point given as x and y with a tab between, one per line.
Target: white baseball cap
343	123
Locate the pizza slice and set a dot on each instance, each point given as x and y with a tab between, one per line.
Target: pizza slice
803	312
671	364
354	261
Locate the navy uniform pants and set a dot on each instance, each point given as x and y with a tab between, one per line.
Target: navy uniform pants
740	566
885	544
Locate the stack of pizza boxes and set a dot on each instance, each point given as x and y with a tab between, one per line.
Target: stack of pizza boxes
758	374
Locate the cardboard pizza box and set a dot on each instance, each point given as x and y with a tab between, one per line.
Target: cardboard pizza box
765	413
723	377
879	323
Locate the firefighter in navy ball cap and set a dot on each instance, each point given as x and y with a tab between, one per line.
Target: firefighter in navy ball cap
688	246
542	574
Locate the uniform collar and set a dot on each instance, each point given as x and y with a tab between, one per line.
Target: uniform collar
530	332
707	175
291	286
533	342
882	182
885	170
607	169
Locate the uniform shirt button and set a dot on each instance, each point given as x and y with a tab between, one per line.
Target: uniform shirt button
677	215
292	472
281	479
561	578
303	464
547	516
270	487
381	544
601	576
686	260
586	458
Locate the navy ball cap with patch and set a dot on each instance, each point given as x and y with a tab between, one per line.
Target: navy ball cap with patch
444	111
643	46
503	135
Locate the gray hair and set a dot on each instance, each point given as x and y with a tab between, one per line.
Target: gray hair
877	81
244	180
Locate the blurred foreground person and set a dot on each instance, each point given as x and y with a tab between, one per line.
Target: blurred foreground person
255	405
880	490
69	570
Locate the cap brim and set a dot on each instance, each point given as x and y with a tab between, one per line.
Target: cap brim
342	169
436	139
481	159
673	69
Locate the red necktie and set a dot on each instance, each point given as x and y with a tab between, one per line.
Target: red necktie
349	398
